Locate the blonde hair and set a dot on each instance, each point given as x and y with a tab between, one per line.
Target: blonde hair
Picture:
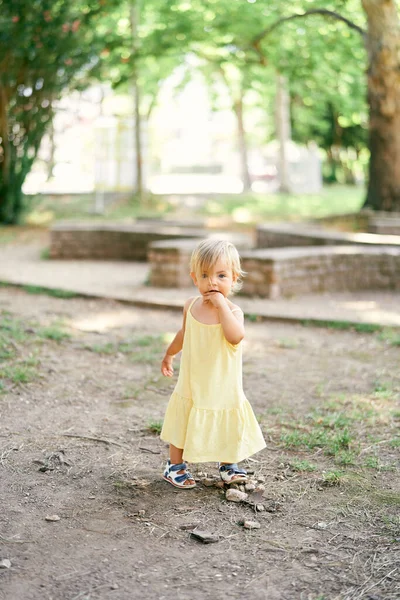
208	252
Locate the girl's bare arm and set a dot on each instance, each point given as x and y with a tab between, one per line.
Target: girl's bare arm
175	346
232	323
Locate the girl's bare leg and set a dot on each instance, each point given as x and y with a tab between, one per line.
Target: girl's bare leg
175	454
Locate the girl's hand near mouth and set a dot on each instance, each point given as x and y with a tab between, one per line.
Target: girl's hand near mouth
215	298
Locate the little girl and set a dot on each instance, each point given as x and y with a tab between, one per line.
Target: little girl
208	417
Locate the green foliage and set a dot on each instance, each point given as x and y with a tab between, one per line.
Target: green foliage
45	48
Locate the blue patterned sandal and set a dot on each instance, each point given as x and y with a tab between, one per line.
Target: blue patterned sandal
232	474
177	475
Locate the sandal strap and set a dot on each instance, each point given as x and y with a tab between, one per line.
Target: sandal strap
177	467
232	469
173	470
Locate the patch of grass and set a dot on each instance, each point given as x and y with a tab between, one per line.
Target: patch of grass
385	497
145	349
345	457
45	254
390	336
332	477
395	442
12	329
154	426
131	392
343	325
383	390
20	373
252	317
288	343
302	465
372	462
53	333
392	523
5	352
53	292
108	348
335	199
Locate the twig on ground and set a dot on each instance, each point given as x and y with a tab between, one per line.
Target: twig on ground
11	541
94	439
149	450
373	446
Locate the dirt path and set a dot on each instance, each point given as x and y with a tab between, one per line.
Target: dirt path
77	416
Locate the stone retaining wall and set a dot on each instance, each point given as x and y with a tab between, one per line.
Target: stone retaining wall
280	235
111	241
169	260
294	271
272	273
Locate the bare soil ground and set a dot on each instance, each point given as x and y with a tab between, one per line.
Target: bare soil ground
81	399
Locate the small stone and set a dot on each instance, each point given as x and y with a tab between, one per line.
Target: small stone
251	525
141	512
5	563
204	536
235	495
52	518
250	487
114	586
261	479
208	482
219	484
188	526
322	525
260	507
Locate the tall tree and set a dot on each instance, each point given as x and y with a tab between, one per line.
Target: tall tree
383	46
382	42
46	46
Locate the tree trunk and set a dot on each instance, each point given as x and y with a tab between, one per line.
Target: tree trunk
283	133
135	15
383	46
242	144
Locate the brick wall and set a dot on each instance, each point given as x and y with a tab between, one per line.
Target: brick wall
110	241
295	271
282	235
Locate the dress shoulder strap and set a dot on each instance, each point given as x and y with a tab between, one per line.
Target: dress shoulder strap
236	310
192	302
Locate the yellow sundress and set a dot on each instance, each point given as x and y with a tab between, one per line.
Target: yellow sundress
208	414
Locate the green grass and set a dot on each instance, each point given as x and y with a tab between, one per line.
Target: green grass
390	336
335	428
19	342
243	208
343	325
144	349
332	477
54	292
20	373
332	200
11	329
302	465
154	426
53	333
